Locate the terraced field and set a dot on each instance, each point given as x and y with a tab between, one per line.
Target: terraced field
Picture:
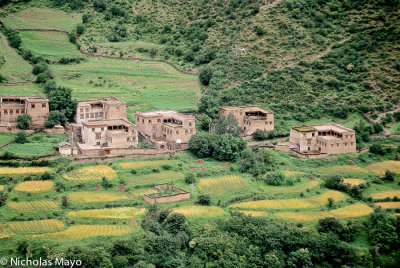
155	178
108	213
222	185
33	205
199	211
386	194
254	213
139	164
356	210
33	186
288	173
22	170
353	182
91	173
295	203
93	197
36	226
389	205
381	167
342	170
5	233
293	189
77	232
141	192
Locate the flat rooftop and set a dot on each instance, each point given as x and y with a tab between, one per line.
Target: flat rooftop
108	122
323	127
37	97
108	100
304	129
166	114
249	108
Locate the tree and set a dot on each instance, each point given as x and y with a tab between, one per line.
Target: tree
175	223
228	125
383	230
190	178
300	258
24	121
228	147
205	76
204	200
61	99
80	29
41	67
259	135
203	144
21	137
206	122
389	176
64	201
55	118
3	198
376	148
42	78
106	183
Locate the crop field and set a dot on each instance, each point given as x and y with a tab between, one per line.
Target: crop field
388	204
34	186
93	197
294	189
288	173
342	170
154	178
386	194
5	233
353	182
33	205
381	167
43	18
52	45
6	138
295	203
199	211
356	210
90	173
222	185
141	192
36	226
108	213
20	89
84	231
142	85
140	164
254	213
22	170
12	66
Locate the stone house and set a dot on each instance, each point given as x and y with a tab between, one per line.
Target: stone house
104	108
12	106
326	139
166	129
250	118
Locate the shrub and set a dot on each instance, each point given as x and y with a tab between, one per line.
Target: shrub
42	78
49	86
80	29
275	179
64	201
205	76
55	118
376	148
72	38
85	18
21	137
40	68
190	178
3	198
15	40
24	121
259	135
389	176
47	176
205	122
106	183
204	200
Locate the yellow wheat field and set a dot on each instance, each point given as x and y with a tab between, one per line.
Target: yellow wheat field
33	186
5	233
89	197
222	185
36	226
1	188
381	167
383	195
195	211
342	170
33	205
353	182
388	204
254	213
293	189
84	231
139	164
141	192
314	201
289	173
22	170
356	210
91	173
108	213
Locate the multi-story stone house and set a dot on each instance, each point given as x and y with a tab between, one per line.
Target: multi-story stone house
14	105
104	108
166	129
322	139
250	118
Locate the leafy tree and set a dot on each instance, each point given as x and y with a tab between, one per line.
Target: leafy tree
3	198
206	122
2	79
61	99
383	230
42	78
228	147
175	223
249	163
203	144
41	67
106	183
72	37
389	176
190	178
259	135
228	125
24	121
204	200
99	5
300	258
21	137
64	201
85	18
205	76
80	29
49	86
55	118
275	179
334	182
376	148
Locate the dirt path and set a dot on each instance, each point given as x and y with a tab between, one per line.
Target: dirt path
271	4
17	83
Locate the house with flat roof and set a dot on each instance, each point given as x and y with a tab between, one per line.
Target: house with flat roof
166	129
250	118
330	138
12	106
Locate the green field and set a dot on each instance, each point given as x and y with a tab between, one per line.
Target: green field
51	45
12	66
143	85
43	18
21	89
6	137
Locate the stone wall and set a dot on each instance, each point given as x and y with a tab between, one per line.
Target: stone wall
180	196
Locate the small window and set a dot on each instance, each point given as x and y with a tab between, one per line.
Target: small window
143	121
313	134
93	129
5	111
11	111
177	132
87	109
351	143
81	110
308	148
43	105
190	124
33	106
332	145
87	115
159	120
337	145
92	115
149	121
98	136
304	135
82	116
128	139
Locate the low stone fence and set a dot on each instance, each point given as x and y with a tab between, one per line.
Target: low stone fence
179	196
